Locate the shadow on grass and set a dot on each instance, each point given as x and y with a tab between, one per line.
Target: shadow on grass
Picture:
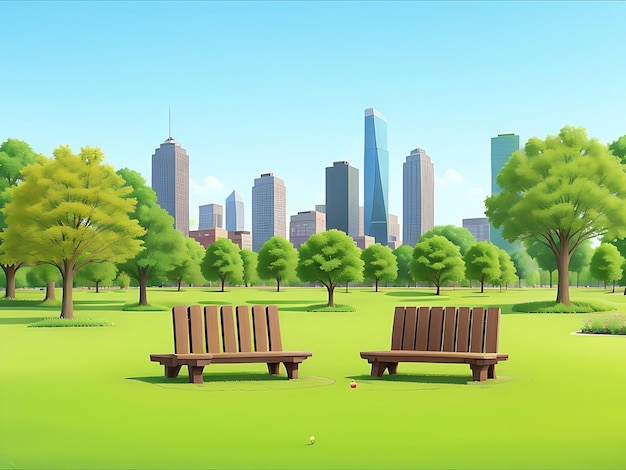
414	293
210	377
98	302
279	302
19	321
413	378
212	302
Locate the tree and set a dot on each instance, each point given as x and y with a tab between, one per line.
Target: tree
97	273
404	255
330	257
460	236
580	259
163	245
524	265
187	268
68	212
482	263
14	156
560	191
222	262
250	262
380	263
277	259
436	260
44	275
618	148
506	273
606	264
123	280
543	256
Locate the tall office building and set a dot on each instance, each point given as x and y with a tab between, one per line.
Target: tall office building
269	209
211	216
479	227
342	198
394	232
170	182
303	225
376	177
502	147
418	196
234	212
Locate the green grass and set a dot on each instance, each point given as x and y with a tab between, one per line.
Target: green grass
71	322
90	397
335	308
551	306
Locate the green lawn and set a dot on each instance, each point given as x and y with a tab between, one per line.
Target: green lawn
91	398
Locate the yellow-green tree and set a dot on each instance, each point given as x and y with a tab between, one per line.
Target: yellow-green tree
70	211
380	264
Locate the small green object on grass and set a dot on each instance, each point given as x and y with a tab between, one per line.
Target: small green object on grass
68	322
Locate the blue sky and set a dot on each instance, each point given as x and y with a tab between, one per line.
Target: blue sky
281	87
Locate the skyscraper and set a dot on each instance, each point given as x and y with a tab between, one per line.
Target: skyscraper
376	177
479	227
211	216
342	198
170	182
303	225
502	147
234	213
269	209
418	196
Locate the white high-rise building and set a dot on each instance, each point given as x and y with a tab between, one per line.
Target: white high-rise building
418	196
269	209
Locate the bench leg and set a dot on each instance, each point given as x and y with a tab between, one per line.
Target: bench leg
491	373
273	368
292	369
378	368
392	367
171	372
195	374
479	372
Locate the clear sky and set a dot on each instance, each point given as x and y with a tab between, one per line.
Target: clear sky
257	87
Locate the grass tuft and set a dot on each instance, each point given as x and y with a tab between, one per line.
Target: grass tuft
326	308
69	322
605	325
552	307
144	308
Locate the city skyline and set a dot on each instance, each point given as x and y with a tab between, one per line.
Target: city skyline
287	94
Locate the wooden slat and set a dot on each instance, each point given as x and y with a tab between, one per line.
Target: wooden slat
421	336
435	329
491	332
211	329
462	329
243	328
259	320
195	329
397	331
449	329
478	330
274	328
410	324
228	329
181	329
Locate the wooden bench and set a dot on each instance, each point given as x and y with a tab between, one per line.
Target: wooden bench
206	336
449	335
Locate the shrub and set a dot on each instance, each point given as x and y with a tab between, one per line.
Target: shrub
68	322
553	307
611	325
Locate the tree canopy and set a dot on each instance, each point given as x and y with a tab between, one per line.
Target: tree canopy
330	257
187	265
250	262
222	262
482	263
404	255
560	191
437	260
606	264
70	211
380	263
460	236
277	259
97	274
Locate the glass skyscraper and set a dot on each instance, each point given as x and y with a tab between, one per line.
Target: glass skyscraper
502	147
376	177
269	209
234	213
418	196
342	198
170	182
211	216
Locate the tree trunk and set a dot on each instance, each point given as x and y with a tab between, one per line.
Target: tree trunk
143	287
50	294
9	272
67	304
550	279
223	281
349	283
438	289
331	292
179	283
614	287
278	284
482	284
97	287
562	262
376	285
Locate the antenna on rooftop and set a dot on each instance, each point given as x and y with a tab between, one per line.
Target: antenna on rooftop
169	118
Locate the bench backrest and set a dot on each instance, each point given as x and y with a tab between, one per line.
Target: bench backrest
213	330
449	329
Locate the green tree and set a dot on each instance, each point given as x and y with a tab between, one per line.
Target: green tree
330	257
580	259
14	156
460	236
404	255
507	270
123	280
277	259
606	264
482	263
187	268
222	262
97	274
250	262
380	263
44	275
560	191
543	256
437	260
524	265
618	148
68	212
163	245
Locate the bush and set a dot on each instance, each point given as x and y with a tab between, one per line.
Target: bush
553	307
612	325
68	322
